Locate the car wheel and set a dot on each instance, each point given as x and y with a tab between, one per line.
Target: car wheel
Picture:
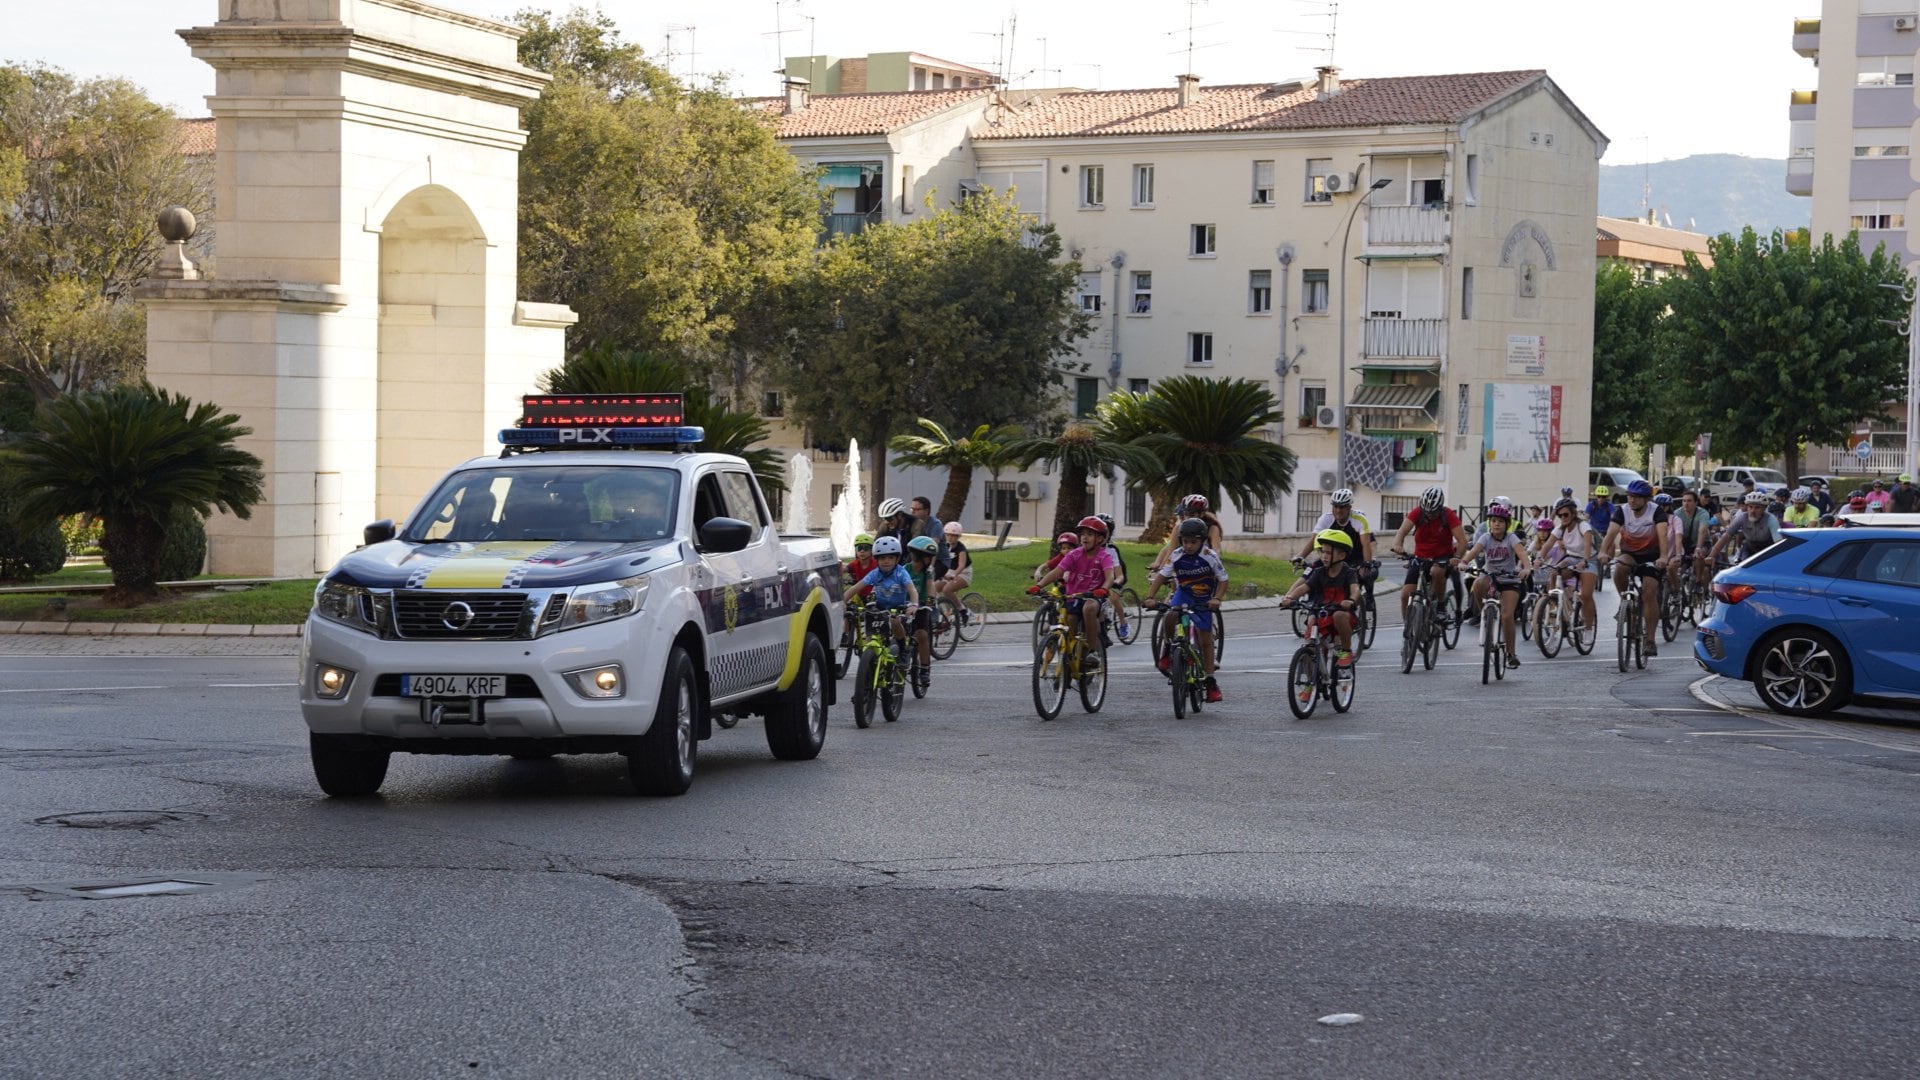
797	723
661	761
1803	672
343	771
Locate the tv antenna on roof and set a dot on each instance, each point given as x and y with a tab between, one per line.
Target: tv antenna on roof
1331	34
1191	48
693	49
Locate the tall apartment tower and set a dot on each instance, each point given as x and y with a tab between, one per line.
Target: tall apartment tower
1851	139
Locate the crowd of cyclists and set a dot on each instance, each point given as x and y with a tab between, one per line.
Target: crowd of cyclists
1515	552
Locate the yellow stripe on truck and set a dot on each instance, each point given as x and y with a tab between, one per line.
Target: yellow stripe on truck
483	567
797	637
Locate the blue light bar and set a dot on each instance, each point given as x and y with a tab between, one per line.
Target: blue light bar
587	438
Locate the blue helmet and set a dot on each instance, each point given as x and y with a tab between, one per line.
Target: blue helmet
1640	488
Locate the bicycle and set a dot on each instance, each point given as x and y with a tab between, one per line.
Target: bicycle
1060	662
1184	668
882	675
1315	672
1219	635
1369	612
944	637
1672	611
973	616
1629	623
1493	644
1047	614
1420	633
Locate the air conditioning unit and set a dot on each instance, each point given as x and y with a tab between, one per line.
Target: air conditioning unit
1338	182
1041	490
1023	491
1905	22
1326	416
1328	478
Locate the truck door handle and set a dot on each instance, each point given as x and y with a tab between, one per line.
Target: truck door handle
1854	601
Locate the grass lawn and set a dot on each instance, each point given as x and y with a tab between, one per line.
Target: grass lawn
278	602
1003	576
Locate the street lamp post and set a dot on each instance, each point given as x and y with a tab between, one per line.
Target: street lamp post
1340	360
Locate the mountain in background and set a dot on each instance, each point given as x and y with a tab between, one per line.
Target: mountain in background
1720	193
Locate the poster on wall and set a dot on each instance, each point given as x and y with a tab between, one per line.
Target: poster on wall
1522	423
1526	354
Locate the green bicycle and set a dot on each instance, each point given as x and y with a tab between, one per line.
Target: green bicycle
1060	662
881	675
1185	668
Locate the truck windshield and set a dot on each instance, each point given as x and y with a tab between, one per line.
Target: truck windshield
624	504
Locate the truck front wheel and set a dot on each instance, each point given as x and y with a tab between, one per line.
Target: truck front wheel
661	761
797	717
343	770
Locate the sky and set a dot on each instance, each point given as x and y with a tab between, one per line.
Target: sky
1661	78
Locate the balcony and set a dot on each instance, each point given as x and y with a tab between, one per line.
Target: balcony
1407	226
1800	175
1806	38
1403	339
849	224
1802	103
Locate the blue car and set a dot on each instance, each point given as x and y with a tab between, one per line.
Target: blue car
1822	618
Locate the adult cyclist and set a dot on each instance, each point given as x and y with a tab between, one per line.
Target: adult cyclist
1191	506
1696	529
1437	536
1749	531
1344	518
1643	542
1800	512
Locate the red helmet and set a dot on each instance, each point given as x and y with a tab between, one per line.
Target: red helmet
1067	538
1193	504
1094	524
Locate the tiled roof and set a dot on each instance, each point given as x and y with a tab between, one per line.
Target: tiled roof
859	114
196	136
1291	106
1627	230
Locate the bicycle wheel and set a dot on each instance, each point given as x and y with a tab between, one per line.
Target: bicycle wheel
1489	642
843	656
1157	634
1299	622
865	690
1450	616
1373	622
893	690
1050	675
1093	684
1343	683
1621	648
1547	630
1219	636
1177	667
1669	611
1196	684
1413	634
914	680
1431	654
1582	632
1303	682
975	618
1128	614
1523	616
1639	640
945	634
1043	620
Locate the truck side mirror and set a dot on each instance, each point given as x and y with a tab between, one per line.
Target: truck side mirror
724	534
377	533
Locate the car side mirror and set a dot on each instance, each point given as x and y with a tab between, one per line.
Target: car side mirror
724	534
377	533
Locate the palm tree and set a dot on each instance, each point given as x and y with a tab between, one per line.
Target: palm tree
959	457
1123	416
605	370
129	456
1204	439
1083	450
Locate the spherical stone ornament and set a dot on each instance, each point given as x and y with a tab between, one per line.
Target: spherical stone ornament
177	224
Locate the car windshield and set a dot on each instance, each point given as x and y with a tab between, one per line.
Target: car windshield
1769	477
560	502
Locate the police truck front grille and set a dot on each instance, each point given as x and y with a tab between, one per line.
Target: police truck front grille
436	615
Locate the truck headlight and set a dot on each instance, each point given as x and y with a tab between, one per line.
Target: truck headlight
348	605
591	604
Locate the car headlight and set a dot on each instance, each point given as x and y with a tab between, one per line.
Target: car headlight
591	604
348	605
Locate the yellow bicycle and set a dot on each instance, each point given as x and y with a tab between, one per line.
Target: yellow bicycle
1060	661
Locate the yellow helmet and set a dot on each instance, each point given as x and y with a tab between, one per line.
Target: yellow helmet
1336	536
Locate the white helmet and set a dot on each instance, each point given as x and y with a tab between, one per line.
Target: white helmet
1755	498
1343	497
889	508
1433	498
1502	500
1801	494
886	545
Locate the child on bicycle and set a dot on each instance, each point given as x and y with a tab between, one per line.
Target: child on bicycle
1332	582
863	564
1507	563
1089	571
889	584
922	554
1064	543
1198	576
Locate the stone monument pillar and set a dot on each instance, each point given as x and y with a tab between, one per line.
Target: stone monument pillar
358	309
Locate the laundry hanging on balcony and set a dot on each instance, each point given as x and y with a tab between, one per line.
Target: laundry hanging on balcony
1369	461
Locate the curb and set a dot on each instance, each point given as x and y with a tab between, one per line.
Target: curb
109	629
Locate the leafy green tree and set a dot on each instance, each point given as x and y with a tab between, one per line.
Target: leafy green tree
1082	451
85	168
1626	328
667	217
1205	442
131	455
940	450
1780	343
1123	415
964	317
607	370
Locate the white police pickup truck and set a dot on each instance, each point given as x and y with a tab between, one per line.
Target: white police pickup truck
562	598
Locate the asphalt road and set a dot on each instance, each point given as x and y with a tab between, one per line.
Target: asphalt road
1570	873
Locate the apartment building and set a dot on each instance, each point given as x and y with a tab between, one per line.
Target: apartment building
1407	259
1850	147
1651	250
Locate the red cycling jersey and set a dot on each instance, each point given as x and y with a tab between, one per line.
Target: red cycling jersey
1433	534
